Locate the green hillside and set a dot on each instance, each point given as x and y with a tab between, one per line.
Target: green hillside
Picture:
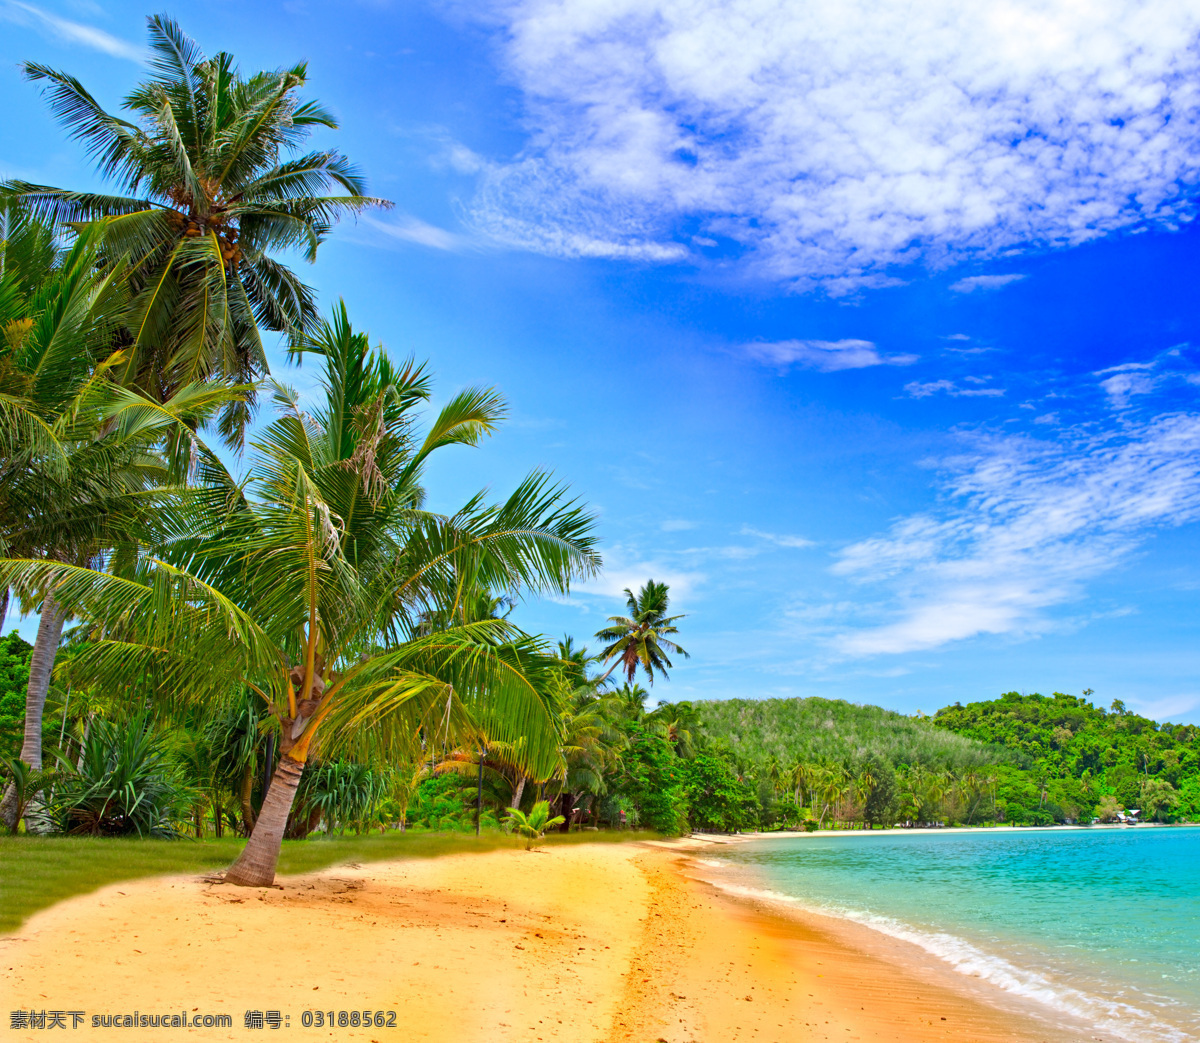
814	730
1082	757
1022	759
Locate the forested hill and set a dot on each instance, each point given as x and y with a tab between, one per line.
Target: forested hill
1034	759
832	730
1083	753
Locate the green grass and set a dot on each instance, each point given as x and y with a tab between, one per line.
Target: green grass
37	872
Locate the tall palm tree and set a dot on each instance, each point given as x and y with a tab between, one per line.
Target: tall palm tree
307	583
213	187
641	639
802	777
76	451
574	661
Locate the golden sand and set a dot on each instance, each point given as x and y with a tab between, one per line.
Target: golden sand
593	942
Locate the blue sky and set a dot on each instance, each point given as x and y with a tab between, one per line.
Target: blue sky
868	327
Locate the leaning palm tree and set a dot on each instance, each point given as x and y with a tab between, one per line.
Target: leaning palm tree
307	581
212	188
641	638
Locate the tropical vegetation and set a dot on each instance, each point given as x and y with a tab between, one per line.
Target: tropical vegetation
295	644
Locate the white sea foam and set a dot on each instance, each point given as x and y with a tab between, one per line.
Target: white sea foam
1111	1016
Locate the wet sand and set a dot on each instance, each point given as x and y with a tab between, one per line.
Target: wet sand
592	942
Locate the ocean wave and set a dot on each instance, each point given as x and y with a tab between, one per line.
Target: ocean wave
1109	1015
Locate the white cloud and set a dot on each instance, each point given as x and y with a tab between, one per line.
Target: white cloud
832	141
69	32
1121	387
983	282
1171	706
1025	524
730	552
1132	378
824	355
779	539
916	389
677	525
1124	382
622	571
413	230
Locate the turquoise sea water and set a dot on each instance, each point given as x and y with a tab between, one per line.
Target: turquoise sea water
1102	924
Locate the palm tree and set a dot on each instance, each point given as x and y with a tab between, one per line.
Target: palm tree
803	777
307	583
938	785
26	785
575	661
914	790
76	451
640	638
864	785
589	745
679	723
629	701
213	188
832	781
498	766
534	825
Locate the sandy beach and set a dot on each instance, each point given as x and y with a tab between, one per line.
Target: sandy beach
592	942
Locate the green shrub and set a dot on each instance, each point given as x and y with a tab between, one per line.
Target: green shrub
122	785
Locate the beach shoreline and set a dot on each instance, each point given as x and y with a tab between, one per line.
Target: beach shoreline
600	942
916	831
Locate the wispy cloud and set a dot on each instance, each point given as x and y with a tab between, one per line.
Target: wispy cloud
1129	380
916	389
1121	383
824	355
67	31
1171	706
998	124
410	229
1025	525
984	282
677	525
779	539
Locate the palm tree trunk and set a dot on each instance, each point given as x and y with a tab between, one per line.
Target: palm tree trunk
255	866
518	790
41	665
607	673
566	809
247	806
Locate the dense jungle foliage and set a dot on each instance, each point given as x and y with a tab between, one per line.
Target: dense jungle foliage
1076	759
14	678
725	766
759	731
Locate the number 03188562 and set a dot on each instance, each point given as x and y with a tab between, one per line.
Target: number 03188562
315	1019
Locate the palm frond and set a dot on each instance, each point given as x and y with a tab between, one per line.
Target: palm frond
109	139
